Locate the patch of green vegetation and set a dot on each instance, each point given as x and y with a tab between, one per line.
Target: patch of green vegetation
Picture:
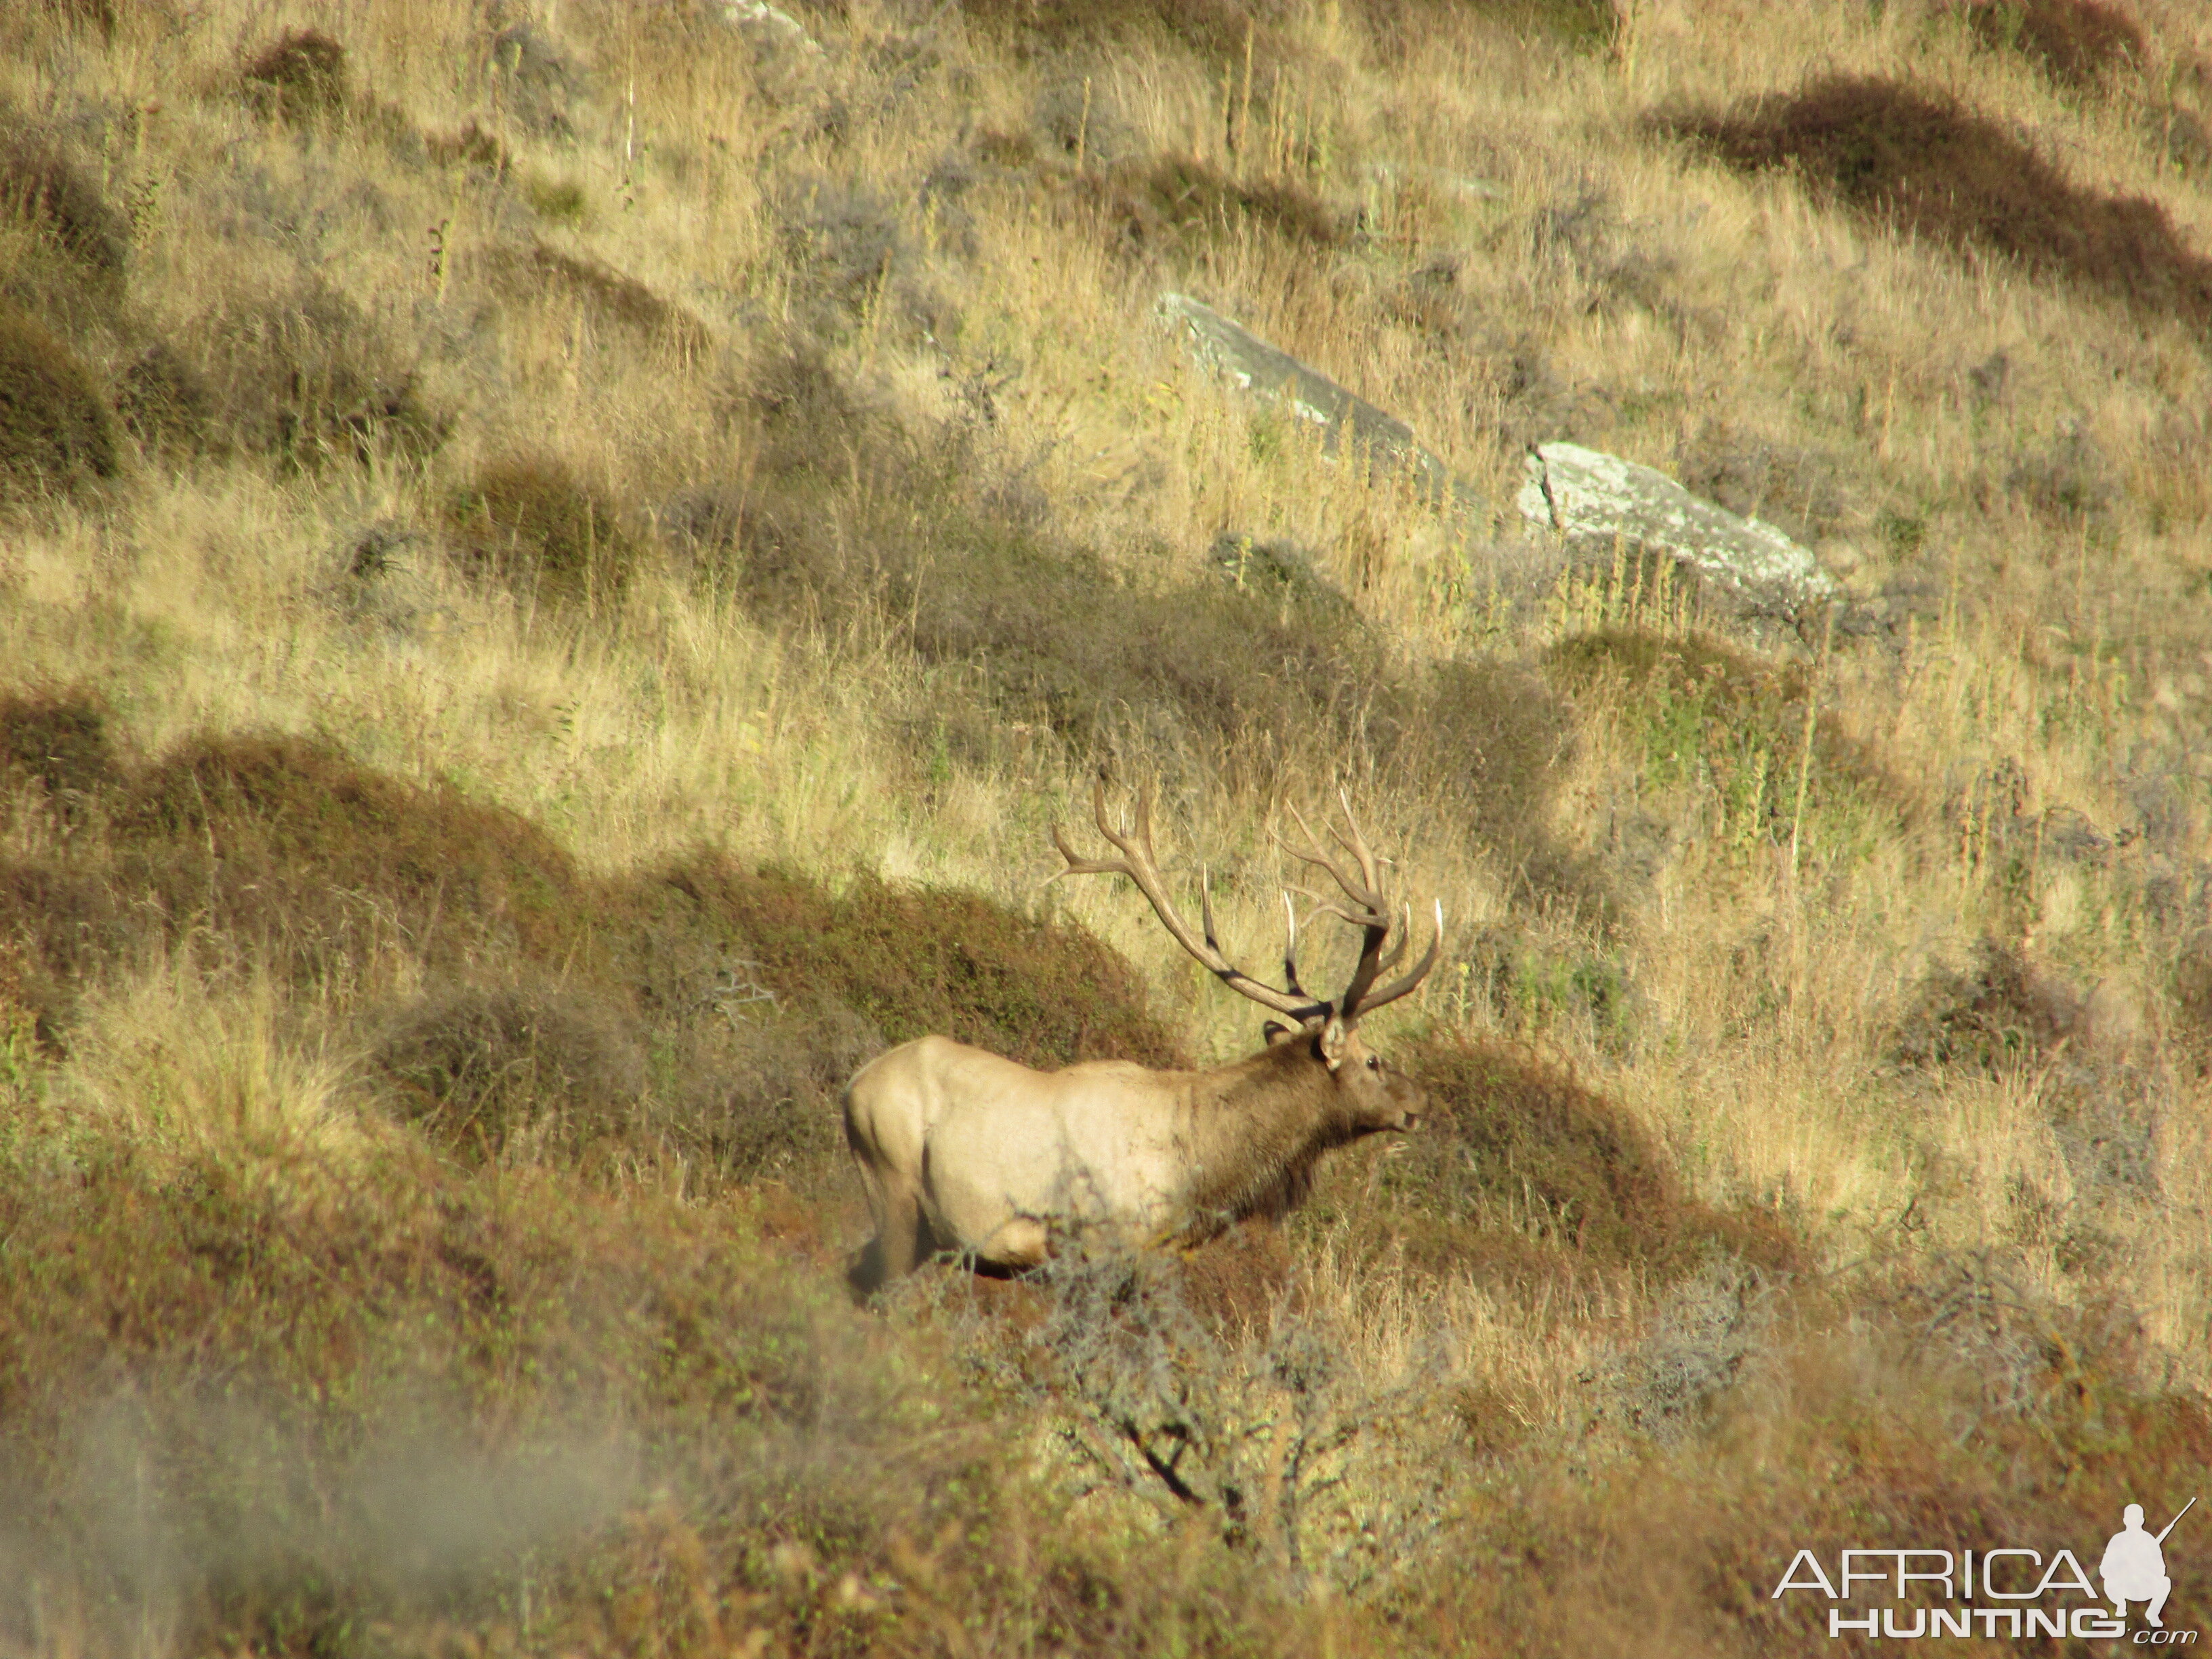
561	200
1901	534
1733	734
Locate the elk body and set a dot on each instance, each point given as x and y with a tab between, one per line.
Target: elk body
962	1150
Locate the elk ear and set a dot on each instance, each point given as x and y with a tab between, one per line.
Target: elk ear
1334	1038
1275	1031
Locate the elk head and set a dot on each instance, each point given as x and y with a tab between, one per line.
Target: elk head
1372	1094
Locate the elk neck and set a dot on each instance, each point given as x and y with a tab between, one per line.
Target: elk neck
1257	1128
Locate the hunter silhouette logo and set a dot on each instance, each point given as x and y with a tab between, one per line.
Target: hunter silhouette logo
2009	1592
2134	1568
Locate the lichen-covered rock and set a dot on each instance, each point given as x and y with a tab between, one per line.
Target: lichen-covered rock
1751	567
1266	371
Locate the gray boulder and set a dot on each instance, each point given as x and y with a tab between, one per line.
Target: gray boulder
1596	501
769	24
1346	421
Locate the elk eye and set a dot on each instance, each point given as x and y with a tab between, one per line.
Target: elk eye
1374	1063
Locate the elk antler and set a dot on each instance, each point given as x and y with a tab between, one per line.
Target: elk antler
1370	913
1137	863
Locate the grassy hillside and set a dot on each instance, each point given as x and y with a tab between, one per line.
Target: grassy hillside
556	566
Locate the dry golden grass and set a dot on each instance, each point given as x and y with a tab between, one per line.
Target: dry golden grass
834	336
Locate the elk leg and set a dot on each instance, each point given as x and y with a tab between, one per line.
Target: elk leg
899	1242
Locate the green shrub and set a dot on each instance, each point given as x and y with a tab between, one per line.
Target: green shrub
1732	732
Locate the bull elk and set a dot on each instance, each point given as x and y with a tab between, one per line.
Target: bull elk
962	1150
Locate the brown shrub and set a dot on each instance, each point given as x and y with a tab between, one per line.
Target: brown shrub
484	1070
298	77
2000	1016
301	375
908	961
529	521
316	864
41	186
1919	163
167	403
1173	202
39	22
2076	43
470	147
1400	26
56	430
58	738
59	926
761	991
607	296
381	1396
1518	1166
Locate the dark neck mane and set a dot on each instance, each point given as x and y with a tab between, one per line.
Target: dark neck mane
1258	1128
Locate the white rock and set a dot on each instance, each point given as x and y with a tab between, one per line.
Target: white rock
1588	497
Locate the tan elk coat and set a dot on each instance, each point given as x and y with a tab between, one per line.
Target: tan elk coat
962	1150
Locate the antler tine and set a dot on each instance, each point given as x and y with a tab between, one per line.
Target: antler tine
1398	987
1290	945
1396	953
1139	864
1364	895
1358	845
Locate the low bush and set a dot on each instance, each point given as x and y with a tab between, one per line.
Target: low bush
481	1069
704	1010
1181	204
1519	1172
2077	42
430	1386
57	432
529	521
534	273
167	403
1919	163
297	373
41	186
299	77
